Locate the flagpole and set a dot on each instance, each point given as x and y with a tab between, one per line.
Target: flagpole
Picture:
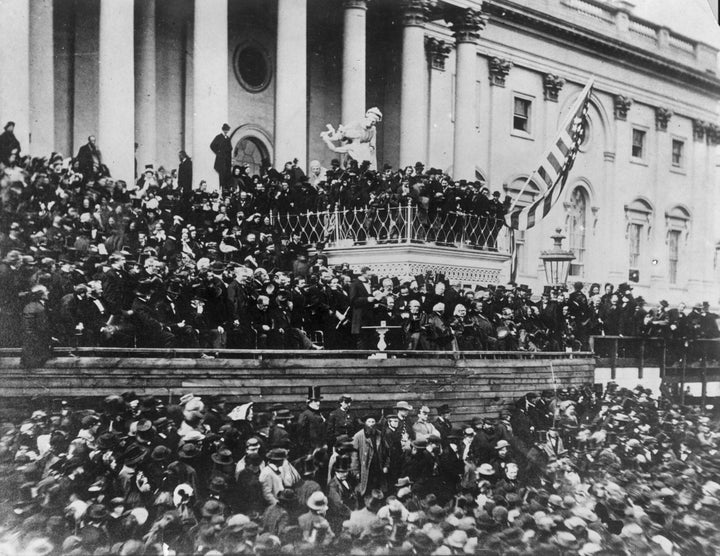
565	123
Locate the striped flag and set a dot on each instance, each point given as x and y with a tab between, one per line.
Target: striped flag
555	166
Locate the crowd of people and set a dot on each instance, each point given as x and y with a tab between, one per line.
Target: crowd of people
92	261
573	471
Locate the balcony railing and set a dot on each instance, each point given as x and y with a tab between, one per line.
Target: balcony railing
410	224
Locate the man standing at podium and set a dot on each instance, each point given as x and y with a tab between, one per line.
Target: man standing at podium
222	148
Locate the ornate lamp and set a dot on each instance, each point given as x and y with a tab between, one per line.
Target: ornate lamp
557	261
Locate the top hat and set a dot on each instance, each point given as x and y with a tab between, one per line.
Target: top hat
314	394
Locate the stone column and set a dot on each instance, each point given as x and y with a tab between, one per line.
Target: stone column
439	151
467	27
413	105
291	84
353	70
42	67
15	69
116	125
145	85
210	85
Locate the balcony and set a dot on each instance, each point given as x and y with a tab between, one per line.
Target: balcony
408	240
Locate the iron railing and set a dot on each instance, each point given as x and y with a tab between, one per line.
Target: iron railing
341	228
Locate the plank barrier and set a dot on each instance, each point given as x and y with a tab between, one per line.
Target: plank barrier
472	383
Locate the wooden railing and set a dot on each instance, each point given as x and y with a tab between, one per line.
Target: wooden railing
680	361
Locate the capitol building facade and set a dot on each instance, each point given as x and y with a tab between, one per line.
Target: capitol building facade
476	89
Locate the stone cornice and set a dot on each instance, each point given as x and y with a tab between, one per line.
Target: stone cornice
537	22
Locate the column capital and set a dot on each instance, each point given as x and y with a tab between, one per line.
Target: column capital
699	127
467	25
662	117
622	104
416	12
437	51
552	85
355	4
712	132
499	69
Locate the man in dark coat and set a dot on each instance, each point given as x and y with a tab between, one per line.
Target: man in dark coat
342	499
89	159
443	423
8	143
311	423
36	329
340	421
185	174
251	502
117	285
362	302
222	147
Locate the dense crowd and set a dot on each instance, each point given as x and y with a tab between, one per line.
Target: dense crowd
92	261
576	471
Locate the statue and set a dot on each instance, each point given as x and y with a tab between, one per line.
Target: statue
356	139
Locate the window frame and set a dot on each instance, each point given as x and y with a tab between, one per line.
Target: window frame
643	154
580	261
530	131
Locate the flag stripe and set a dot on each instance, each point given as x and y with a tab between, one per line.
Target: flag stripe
555	166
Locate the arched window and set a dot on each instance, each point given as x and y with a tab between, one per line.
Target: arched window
576	225
251	152
638	216
530	193
677	221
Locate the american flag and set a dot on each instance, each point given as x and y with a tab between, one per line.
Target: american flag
555	166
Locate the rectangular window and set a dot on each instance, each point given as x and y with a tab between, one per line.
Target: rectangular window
521	252
638	143
673	255
678	148
521	114
634	243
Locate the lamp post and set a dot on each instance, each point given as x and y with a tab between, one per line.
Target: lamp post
557	261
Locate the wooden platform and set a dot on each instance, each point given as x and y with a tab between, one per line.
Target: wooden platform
475	385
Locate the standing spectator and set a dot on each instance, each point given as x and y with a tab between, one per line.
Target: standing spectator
311	423
185	174
8	143
89	159
369	458
13	282
340	421
222	147
36	329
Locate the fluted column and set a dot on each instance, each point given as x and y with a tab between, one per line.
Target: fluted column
116	124
15	68
353	71
42	65
145	86
291	84
413	104
210	84
467	27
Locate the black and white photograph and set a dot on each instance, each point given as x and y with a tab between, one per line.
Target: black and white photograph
359	277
